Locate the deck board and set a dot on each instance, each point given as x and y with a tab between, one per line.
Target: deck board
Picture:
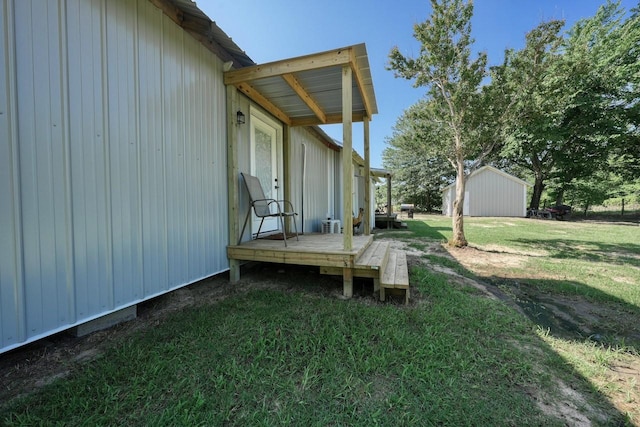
397	273
311	249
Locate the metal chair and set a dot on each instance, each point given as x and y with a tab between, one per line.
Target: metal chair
262	207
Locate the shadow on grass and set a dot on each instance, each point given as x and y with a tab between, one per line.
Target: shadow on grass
620	253
576	312
552	371
422	229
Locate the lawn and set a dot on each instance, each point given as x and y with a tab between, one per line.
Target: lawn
297	356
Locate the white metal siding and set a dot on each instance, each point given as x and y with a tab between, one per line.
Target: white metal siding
112	161
489	192
492	194
318	189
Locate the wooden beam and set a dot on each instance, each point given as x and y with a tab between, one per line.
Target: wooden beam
293	82
261	100
330	119
347	162
347	282
232	179
361	86
389	206
286	163
316	61
367	179
323	139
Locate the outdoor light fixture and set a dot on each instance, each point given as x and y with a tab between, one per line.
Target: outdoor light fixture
240	117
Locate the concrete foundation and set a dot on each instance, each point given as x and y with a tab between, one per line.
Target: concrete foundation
105	322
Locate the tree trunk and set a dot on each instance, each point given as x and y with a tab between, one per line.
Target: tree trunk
538	187
458	238
622	211
560	197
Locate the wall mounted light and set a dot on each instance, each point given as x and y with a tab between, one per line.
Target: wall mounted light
240	118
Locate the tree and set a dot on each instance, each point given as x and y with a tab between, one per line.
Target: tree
575	99
453	100
418	172
530	139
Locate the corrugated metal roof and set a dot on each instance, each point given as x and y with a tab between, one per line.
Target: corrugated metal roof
307	90
303	91
187	14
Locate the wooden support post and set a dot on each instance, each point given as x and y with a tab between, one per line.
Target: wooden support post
347	161
286	153
389	207
367	179
232	178
347	282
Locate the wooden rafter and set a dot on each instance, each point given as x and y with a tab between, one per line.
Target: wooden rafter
253	80
357	75
288	66
293	82
331	119
263	102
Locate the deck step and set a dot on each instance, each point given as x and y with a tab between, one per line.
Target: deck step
369	264
374	257
395	274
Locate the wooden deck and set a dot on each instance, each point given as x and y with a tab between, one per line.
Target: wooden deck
312	249
366	259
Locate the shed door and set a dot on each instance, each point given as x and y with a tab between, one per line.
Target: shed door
266	144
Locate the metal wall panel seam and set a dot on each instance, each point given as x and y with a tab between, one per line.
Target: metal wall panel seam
106	142
14	141
163	139
139	287
65	123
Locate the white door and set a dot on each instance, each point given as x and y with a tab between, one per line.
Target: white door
266	144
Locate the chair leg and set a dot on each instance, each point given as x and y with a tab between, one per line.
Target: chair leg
284	231
259	228
295	226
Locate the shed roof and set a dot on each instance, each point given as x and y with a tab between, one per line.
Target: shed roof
494	170
307	90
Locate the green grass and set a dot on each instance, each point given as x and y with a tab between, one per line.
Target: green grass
599	261
274	358
269	357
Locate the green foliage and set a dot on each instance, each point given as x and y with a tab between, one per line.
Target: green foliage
419	173
574	101
451	118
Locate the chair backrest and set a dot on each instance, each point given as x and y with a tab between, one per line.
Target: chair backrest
256	194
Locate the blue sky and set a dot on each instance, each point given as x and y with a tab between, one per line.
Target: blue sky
270	30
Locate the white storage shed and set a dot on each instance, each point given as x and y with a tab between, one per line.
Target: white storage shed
489	192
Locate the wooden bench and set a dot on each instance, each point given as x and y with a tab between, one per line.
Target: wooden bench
395	275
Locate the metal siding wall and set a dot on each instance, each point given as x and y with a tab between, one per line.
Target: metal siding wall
152	153
112	158
493	194
11	310
88	147
317	191
41	163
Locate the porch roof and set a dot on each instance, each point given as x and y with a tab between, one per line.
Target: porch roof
307	90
